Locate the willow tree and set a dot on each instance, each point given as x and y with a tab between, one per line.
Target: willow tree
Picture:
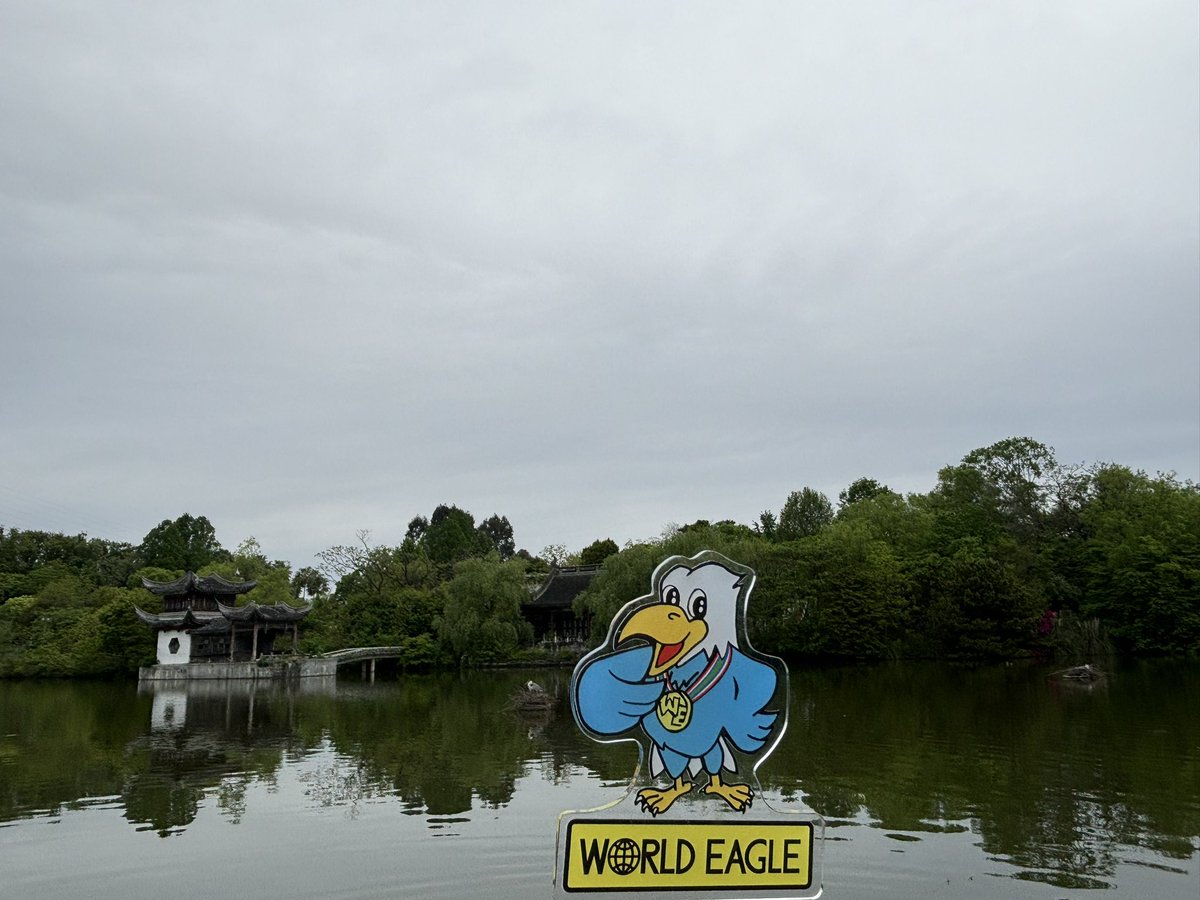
481	618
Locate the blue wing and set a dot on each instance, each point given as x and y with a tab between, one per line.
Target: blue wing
752	684
610	696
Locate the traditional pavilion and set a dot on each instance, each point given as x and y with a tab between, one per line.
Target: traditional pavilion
201	622
551	609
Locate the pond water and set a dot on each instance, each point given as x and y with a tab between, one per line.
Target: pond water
934	781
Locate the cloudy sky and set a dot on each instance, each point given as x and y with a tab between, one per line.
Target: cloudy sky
310	268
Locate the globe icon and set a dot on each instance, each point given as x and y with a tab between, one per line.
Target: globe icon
623	856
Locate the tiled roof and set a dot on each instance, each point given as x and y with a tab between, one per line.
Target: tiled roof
184	618
209	584
274	612
216	621
562	586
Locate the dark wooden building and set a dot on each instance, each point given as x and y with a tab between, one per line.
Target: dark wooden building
201	622
551	608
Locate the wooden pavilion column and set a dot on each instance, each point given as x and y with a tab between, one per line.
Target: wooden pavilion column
232	639
254	646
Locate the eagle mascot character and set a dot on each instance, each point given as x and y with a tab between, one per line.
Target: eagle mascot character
687	683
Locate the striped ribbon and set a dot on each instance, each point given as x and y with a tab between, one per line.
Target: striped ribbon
701	684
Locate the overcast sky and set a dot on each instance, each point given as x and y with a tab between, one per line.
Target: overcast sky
310	268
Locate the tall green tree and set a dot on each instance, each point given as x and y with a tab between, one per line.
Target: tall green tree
481	620
804	513
123	643
496	533
378	569
309	584
1142	560
1019	472
384	596
451	536
905	524
185	544
597	552
860	489
854	592
964	504
767	524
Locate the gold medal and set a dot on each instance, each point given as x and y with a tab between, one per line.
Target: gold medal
674	710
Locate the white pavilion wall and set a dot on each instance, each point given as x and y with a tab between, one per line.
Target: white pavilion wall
183	652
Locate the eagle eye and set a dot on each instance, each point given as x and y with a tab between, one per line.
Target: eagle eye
671	595
698	604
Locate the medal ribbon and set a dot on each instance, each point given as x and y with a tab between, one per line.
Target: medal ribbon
674	707
702	683
713	672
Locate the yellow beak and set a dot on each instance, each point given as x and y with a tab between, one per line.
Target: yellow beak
668	629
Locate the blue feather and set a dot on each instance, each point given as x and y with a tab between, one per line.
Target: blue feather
733	707
612	697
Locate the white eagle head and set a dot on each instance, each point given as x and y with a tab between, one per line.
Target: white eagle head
695	608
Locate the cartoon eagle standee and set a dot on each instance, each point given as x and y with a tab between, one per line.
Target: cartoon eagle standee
677	665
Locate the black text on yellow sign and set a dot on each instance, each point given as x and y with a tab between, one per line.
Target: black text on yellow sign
628	855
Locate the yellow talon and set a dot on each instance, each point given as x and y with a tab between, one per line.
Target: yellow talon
737	796
655	801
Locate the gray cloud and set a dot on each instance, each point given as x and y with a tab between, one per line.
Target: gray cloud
596	267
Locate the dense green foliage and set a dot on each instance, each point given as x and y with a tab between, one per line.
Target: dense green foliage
187	544
597	552
64	605
1009	553
481	619
451	593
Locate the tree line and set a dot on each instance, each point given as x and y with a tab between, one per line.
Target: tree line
1010	553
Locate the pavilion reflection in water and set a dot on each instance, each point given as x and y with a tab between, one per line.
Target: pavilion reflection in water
210	739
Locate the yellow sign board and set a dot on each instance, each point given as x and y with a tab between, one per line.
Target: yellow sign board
632	855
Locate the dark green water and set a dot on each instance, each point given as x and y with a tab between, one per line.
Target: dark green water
935	781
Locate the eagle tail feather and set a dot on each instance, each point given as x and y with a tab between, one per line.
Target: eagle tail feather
727	758
656	761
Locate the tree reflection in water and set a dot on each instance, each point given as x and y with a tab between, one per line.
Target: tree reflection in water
1058	779
1060	783
210	738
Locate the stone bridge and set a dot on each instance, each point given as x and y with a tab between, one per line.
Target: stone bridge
364	655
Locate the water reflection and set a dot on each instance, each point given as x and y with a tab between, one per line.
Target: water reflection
1040	782
1060	781
207	737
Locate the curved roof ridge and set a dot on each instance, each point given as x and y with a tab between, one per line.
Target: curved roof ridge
207	584
556	583
266	612
183	618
